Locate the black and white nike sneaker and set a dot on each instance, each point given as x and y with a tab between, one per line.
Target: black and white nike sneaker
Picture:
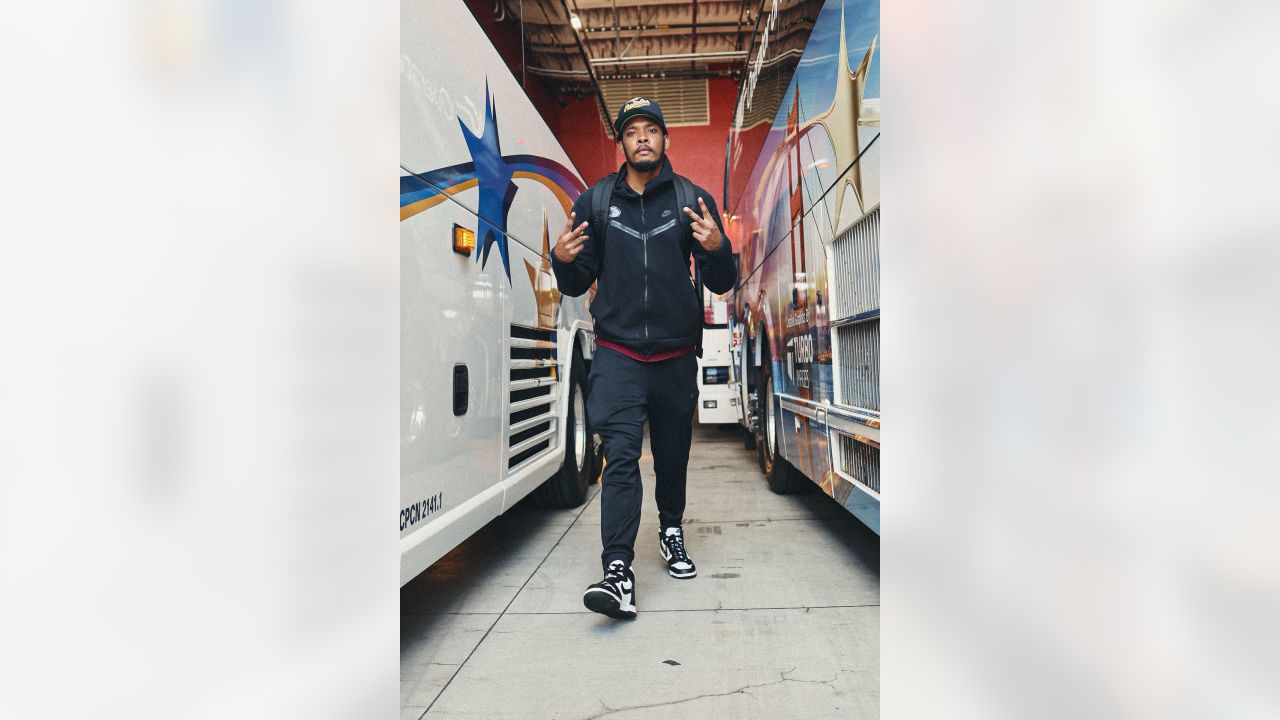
614	596
678	563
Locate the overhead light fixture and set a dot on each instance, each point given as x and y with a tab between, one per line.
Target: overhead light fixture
575	21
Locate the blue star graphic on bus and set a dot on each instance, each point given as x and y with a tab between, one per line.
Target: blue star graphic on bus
493	176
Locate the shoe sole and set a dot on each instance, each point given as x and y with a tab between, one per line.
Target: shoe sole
605	604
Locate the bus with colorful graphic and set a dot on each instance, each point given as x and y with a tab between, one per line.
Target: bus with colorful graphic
493	360
803	198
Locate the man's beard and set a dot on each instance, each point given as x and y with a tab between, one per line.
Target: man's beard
645	166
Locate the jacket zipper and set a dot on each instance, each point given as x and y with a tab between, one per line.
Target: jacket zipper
644	239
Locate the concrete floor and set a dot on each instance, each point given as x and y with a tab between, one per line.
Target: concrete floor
782	621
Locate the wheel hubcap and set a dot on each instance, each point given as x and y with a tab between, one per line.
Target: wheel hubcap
769	418
579	429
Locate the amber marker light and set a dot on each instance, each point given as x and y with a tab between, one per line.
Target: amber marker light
464	240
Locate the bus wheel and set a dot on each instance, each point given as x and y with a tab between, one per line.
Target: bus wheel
568	487
783	478
763	380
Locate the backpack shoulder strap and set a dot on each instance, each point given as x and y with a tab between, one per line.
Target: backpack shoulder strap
601	193
598	205
685	198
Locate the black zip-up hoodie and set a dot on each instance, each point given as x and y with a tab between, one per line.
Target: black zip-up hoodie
645	299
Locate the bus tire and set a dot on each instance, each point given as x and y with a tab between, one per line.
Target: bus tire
581	465
783	478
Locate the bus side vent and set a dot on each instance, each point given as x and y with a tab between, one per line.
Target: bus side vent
858	347
531	420
860	462
855	312
856	281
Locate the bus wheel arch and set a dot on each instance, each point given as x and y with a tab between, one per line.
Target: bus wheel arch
764	395
595	450
783	477
581	465
751	379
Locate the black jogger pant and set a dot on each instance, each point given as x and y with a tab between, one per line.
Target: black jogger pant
624	393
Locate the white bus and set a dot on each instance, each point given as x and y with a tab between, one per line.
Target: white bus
717	402
493	360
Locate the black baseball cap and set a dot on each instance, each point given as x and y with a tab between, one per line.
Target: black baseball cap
636	107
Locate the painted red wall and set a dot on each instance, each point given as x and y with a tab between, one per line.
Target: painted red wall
580	132
698	152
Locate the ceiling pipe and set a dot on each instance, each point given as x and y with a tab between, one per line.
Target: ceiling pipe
694	36
617	30
665	26
746	66
737	40
634	37
678	57
586	60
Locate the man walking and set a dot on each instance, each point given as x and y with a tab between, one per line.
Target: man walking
638	229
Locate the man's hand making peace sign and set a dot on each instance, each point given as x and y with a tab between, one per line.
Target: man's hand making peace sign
705	229
569	244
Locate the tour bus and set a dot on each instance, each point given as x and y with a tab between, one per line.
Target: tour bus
803	199
493	360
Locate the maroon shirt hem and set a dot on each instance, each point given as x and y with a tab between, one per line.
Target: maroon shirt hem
656	357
